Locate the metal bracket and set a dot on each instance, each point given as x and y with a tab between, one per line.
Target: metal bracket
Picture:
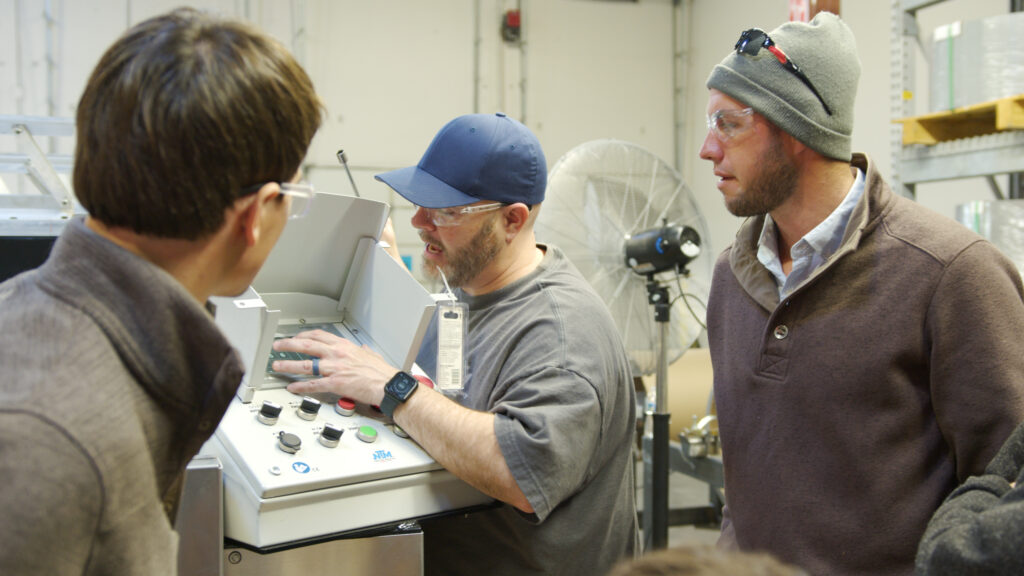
34	163
42	173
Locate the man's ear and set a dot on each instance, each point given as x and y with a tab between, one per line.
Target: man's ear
250	211
516	216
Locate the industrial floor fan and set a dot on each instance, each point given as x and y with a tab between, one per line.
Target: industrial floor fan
628	222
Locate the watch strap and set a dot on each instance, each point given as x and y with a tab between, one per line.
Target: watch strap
388	405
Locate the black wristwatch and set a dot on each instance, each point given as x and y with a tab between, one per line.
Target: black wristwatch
397	391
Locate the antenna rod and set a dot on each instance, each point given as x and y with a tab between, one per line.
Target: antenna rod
344	162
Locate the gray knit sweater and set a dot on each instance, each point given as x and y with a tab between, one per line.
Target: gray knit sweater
978	529
849	410
113	377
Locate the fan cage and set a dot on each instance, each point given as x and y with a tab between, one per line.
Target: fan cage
599	194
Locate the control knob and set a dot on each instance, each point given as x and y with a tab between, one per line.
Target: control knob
268	413
309	408
330	435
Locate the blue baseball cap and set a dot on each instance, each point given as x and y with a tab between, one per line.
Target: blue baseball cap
475	157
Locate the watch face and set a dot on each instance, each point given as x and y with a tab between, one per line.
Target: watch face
401	385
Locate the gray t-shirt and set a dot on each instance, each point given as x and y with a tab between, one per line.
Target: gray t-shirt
545	357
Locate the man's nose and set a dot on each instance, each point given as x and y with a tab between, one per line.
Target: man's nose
421	219
711	149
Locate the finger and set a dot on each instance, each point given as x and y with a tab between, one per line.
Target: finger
296	367
310	386
319	335
302	345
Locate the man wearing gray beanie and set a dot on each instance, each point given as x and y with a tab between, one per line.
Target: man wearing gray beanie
850	402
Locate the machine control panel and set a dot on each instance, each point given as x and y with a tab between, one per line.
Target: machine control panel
294	469
286	444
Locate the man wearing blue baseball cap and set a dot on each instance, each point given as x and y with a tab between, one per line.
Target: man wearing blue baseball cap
546	418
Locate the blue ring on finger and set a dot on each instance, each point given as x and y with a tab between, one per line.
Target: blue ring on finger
316	366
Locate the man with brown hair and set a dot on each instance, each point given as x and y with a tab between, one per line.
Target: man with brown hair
190	132
865	349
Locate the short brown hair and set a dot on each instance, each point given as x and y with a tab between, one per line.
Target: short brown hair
183	113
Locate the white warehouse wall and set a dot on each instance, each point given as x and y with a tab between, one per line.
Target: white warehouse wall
393	71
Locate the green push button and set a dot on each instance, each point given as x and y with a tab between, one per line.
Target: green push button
367	434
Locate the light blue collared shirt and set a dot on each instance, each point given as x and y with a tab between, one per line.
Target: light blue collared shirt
814	248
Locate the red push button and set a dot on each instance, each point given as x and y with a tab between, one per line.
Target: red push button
345	407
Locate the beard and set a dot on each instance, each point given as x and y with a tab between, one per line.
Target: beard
769	189
464	264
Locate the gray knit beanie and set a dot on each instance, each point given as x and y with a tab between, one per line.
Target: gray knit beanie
826	53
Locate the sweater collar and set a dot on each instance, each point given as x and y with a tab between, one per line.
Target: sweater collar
166	339
758	281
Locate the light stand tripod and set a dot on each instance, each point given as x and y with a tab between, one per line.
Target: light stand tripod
656	468
647	253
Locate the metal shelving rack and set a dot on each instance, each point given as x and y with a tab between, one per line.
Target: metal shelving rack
981	156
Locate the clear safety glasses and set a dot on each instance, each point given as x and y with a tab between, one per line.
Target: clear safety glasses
729	125
445	217
301	194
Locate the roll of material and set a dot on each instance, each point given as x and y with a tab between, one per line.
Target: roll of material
1000	221
689	390
976	61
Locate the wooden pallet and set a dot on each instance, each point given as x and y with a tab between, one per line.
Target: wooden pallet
965	122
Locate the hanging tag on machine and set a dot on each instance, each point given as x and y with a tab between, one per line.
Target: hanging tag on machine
452	320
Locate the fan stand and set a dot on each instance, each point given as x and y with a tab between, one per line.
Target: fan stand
656	483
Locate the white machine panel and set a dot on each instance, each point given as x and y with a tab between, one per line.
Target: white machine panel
369	447
373	475
296	470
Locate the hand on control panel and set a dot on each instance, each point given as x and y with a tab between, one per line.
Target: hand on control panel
344	368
